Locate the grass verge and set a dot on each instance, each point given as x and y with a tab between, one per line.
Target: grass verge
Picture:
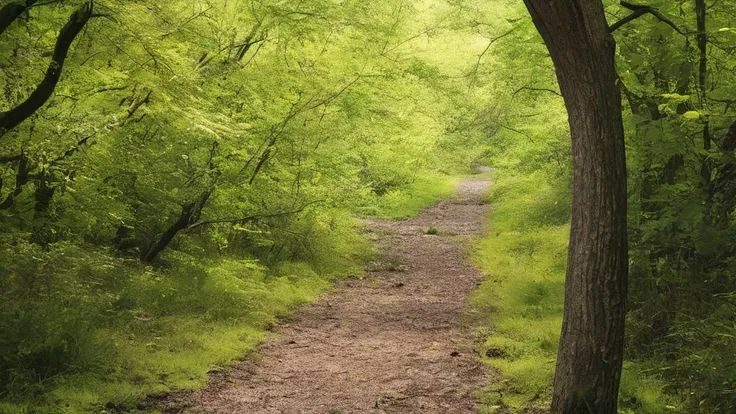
405	202
524	256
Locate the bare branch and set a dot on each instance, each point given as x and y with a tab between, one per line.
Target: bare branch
530	88
640	10
492	41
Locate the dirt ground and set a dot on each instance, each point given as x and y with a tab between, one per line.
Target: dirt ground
393	342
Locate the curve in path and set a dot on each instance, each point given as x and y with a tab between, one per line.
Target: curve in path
390	343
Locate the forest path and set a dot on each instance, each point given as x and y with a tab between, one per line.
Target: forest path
394	342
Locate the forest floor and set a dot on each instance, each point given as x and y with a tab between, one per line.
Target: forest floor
398	341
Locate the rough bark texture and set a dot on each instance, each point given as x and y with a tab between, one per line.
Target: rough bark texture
12	118
590	357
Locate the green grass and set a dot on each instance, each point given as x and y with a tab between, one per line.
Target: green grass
524	257
406	202
432	231
173	344
123	331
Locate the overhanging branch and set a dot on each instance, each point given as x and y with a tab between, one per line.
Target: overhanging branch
640	10
12	118
11	11
241	220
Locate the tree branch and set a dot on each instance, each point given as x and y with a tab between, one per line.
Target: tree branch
530	88
490	43
10	158
640	10
73	150
252	218
11	11
12	118
137	104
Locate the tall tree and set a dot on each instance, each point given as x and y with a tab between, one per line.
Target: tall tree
590	356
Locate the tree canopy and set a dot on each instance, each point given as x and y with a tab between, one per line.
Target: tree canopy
193	169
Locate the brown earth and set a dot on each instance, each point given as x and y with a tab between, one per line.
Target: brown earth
394	342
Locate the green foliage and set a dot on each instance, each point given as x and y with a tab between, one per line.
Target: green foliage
404	202
525	257
114	331
681	206
196	171
525	260
195	176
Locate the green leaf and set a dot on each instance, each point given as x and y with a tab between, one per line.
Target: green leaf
691	115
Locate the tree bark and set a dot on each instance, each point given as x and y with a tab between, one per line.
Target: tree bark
590	356
12	118
41	232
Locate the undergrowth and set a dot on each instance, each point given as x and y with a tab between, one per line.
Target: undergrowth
524	256
407	201
100	333
122	331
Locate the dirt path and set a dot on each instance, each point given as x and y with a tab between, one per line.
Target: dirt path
390	343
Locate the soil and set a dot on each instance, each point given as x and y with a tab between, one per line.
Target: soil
396	341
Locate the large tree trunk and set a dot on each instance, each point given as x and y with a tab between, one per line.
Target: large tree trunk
591	348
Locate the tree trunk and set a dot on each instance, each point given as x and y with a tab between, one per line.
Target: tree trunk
700	11
21	179
189	214
590	356
41	233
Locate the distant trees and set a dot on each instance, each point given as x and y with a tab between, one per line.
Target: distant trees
167	116
159	151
